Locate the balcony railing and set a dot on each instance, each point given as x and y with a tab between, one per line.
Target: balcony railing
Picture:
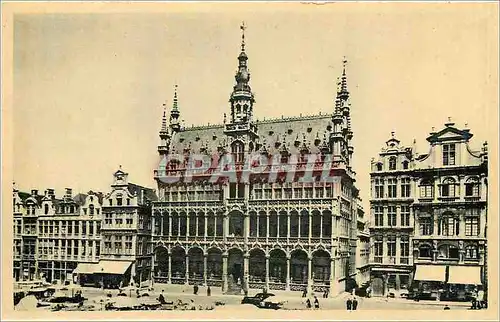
404	260
377	259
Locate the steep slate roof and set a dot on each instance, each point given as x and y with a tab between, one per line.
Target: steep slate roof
293	131
80	199
149	194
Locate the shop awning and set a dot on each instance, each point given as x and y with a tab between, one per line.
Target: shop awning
112	267
430	273
465	275
85	268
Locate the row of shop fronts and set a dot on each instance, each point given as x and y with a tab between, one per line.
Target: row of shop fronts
433	282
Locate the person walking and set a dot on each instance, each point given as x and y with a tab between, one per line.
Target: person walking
480	299
308	303
474	299
316	302
354	304
161	298
209	291
349	303
195	290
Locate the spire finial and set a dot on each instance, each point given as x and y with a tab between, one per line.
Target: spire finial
175	107
120	167
243	27
343	86
392	134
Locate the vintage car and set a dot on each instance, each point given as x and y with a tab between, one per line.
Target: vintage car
257	299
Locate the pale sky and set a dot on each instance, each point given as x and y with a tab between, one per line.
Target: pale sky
89	88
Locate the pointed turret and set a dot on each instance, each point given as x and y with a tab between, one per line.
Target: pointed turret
174	113
164	132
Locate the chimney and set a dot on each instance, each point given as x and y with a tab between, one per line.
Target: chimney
34	192
50	192
69	192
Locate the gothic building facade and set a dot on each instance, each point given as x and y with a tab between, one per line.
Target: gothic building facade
429	216
257	233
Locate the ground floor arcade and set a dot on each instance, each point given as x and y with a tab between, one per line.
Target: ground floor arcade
255	269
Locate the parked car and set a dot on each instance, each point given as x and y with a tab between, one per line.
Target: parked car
257	299
273	302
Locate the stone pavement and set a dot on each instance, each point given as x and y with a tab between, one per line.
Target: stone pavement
294	299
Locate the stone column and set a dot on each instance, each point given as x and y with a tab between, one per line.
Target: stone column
333	283
398	250
246	226
169	267
288	275
385	250
224	272
187	269
267	226
187	224
205	260
309	274
267	272
152	271
257	233
245	270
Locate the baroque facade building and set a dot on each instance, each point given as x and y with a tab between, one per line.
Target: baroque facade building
91	239
260	233
429	216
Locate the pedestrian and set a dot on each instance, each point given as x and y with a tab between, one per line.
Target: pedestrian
308	303
480	299
354	304
474	299
195	290
209	291
316	302
304	293
349	303
368	291
161	298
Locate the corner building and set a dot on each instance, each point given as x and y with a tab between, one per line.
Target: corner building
274	234
429	217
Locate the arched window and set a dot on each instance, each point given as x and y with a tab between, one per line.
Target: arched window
392	163
426	188
46	209
238	151
448	187
425	251
471	252
448	225
238	108
379	166
405	165
472	187
91	209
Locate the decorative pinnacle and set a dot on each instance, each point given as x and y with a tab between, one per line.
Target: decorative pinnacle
164	118
243	27
175	107
344	77
392	134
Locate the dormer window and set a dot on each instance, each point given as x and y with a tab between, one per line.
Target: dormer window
119	201
448	154
46	209
91	209
379	166
110	202
405	165
238	152
392	163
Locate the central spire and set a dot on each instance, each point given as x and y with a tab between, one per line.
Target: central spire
242	98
